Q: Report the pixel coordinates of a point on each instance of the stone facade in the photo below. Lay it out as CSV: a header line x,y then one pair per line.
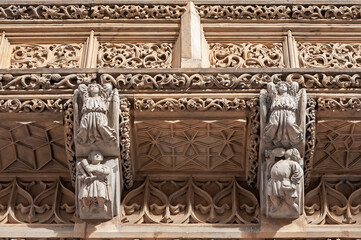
x,y
199,120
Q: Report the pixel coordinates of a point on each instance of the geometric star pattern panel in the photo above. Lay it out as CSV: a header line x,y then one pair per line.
x,y
32,146
338,146
191,145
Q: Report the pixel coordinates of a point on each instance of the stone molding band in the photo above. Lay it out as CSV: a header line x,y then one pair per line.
x,y
160,11
168,80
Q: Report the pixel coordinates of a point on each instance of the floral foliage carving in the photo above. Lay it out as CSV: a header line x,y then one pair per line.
x,y
339,104
310,139
44,81
321,80
91,12
246,55
190,81
46,56
326,12
334,201
244,11
190,201
175,81
138,55
299,12
36,201
253,141
34,105
124,133
330,55
190,104
69,138
274,12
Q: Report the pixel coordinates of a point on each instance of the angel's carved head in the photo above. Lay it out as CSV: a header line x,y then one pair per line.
x,y
93,89
95,157
282,87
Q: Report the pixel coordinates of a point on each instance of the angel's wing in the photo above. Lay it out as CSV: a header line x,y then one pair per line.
x,y
293,89
77,107
113,110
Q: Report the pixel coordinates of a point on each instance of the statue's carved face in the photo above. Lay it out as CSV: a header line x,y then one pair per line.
x,y
282,88
93,89
96,157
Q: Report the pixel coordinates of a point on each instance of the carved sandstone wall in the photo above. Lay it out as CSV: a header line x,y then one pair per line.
x,y
189,77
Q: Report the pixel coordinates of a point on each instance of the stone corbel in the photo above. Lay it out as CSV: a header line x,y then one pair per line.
x,y
282,149
96,139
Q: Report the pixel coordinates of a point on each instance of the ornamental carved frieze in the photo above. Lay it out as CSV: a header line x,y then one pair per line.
x,y
190,104
44,81
274,12
190,200
137,55
91,12
246,55
342,104
176,81
41,201
329,55
16,105
46,56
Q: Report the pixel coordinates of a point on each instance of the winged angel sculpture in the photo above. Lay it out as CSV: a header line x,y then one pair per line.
x,y
282,112
96,107
283,127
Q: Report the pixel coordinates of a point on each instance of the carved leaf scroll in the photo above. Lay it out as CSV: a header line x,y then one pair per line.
x,y
46,56
125,142
91,12
44,81
339,104
139,55
334,201
190,81
190,201
330,55
310,139
246,55
35,105
36,201
190,104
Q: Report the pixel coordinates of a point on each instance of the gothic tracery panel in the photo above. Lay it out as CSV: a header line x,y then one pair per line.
x,y
335,200
329,55
338,144
190,201
246,55
32,146
46,56
191,145
49,201
137,55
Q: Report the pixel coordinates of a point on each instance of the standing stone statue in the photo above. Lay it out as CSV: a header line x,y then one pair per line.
x,y
283,186
282,129
94,125
96,131
97,182
282,145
